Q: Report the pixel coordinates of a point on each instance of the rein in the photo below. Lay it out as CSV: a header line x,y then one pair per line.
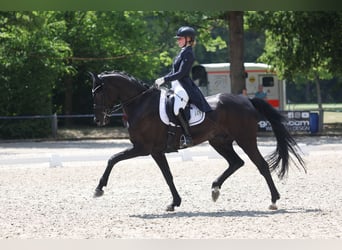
x,y
134,97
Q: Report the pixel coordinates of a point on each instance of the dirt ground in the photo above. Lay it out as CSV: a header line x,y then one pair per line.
x,y
46,192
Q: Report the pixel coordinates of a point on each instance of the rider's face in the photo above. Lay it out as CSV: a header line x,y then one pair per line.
x,y
181,41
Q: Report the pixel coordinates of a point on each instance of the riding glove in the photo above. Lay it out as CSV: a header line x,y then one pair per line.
x,y
159,81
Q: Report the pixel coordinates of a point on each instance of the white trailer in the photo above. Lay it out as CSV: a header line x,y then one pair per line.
x,y
214,78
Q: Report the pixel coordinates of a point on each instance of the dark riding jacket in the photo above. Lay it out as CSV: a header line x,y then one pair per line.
x,y
181,68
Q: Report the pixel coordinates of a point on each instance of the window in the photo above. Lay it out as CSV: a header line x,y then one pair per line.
x,y
268,81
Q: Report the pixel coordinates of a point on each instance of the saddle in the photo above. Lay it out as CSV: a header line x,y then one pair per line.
x,y
192,113
169,102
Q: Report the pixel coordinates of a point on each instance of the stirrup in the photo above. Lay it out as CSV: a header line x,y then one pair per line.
x,y
185,141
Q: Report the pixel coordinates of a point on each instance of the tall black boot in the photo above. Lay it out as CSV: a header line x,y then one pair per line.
x,y
186,139
170,144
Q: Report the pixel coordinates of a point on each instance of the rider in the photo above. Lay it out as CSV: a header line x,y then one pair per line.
x,y
181,83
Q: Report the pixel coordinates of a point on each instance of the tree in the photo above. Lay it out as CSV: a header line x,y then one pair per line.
x,y
236,35
303,43
29,53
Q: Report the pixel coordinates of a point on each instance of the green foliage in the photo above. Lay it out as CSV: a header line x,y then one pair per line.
x,y
29,52
301,43
23,129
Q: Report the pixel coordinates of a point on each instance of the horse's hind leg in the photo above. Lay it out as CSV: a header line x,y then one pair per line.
x,y
164,167
251,149
225,149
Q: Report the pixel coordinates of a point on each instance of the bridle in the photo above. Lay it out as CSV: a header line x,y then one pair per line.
x,y
103,106
110,111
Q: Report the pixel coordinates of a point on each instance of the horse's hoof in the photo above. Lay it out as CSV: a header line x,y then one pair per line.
x,y
273,206
98,193
215,193
170,208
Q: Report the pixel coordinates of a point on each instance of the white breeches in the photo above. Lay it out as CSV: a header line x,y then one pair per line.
x,y
181,97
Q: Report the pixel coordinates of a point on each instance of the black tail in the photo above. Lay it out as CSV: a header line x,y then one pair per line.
x,y
285,142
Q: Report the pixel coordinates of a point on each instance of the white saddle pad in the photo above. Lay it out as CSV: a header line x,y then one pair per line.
x,y
196,115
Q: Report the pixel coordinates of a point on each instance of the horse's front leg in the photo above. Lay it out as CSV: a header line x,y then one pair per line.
x,y
124,155
164,167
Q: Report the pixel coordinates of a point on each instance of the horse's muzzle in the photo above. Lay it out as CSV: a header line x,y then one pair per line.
x,y
102,123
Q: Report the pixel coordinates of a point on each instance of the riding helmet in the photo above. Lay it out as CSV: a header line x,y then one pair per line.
x,y
186,31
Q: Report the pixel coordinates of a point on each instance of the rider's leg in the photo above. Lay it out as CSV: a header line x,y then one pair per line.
x,y
186,139
181,100
181,97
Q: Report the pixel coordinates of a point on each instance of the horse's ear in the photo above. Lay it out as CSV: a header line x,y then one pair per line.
x,y
94,77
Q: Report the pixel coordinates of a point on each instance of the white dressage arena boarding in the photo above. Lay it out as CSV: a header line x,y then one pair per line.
x,y
59,153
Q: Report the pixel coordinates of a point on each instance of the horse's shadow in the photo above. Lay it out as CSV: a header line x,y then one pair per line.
x,y
232,213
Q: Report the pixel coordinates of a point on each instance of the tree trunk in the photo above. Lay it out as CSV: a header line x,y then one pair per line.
x,y
236,46
319,102
68,99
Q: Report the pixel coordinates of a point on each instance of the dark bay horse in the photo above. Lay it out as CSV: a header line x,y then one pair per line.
x,y
234,118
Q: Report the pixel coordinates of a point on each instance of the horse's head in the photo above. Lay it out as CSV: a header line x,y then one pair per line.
x,y
101,110
110,88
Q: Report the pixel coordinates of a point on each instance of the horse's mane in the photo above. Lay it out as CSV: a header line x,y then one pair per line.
x,y
127,76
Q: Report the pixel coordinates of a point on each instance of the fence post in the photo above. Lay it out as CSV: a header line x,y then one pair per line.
x,y
54,125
